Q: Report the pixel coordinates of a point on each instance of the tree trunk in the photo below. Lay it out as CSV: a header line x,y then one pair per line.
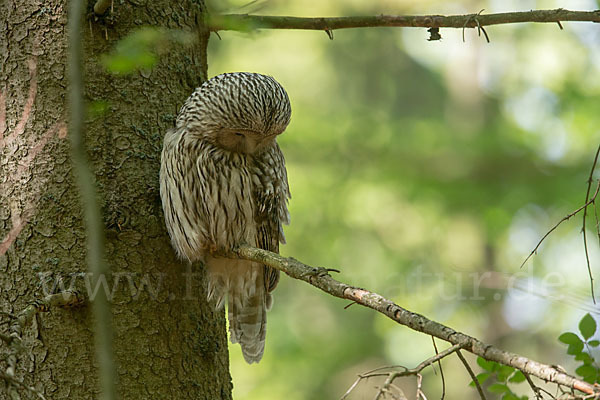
x,y
168,342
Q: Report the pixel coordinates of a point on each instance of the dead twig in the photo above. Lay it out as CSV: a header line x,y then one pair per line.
x,y
472,374
566,218
441,370
393,375
583,230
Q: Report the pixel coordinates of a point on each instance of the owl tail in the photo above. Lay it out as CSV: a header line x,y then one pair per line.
x,y
248,322
243,282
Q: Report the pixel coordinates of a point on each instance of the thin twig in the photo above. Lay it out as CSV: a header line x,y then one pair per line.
x,y
567,217
534,387
91,210
245,22
393,375
597,222
585,245
472,374
321,280
441,370
416,370
420,394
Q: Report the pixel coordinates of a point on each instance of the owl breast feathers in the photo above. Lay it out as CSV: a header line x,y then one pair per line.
x,y
223,183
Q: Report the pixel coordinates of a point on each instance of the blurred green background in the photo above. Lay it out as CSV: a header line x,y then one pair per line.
x,y
425,171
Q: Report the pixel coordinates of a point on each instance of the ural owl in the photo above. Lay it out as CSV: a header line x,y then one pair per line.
x,y
223,183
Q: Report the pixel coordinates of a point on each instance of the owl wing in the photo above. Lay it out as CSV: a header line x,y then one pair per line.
x,y
271,195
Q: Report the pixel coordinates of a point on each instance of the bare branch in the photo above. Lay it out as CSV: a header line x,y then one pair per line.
x,y
441,370
240,22
584,207
472,374
588,202
320,278
565,218
537,390
393,375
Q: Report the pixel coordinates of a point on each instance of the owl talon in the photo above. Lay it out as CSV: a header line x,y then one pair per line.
x,y
320,272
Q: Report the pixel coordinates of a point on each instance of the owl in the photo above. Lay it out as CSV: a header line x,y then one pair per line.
x,y
223,183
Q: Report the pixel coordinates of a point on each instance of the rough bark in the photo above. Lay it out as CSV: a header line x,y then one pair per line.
x,y
169,343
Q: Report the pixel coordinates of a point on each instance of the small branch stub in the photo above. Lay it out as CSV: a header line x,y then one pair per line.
x,y
101,6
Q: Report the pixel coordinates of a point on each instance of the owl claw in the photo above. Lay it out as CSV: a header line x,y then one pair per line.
x,y
320,272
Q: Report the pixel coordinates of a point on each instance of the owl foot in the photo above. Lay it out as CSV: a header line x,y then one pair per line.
x,y
320,272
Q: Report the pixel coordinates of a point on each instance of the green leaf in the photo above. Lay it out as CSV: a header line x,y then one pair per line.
x,y
486,365
587,326
482,377
594,343
517,377
575,348
585,357
97,108
499,388
510,396
504,372
586,371
569,338
141,49
590,379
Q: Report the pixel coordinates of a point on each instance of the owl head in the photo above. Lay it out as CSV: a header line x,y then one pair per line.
x,y
241,112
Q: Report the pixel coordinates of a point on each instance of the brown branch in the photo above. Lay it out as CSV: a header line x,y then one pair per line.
x,y
441,370
472,375
536,389
565,218
588,202
393,375
319,278
415,371
241,22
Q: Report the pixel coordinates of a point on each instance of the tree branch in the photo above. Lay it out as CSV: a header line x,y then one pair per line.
x,y
320,278
393,375
566,218
472,375
245,22
587,202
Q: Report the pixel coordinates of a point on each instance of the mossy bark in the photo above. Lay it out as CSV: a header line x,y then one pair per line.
x,y
168,342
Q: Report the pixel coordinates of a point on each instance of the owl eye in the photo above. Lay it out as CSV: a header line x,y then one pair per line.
x,y
239,134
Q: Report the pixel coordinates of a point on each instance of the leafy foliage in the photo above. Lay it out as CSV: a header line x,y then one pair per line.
x,y
142,48
503,375
581,348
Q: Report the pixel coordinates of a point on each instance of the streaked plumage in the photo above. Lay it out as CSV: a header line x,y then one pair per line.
x,y
223,183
